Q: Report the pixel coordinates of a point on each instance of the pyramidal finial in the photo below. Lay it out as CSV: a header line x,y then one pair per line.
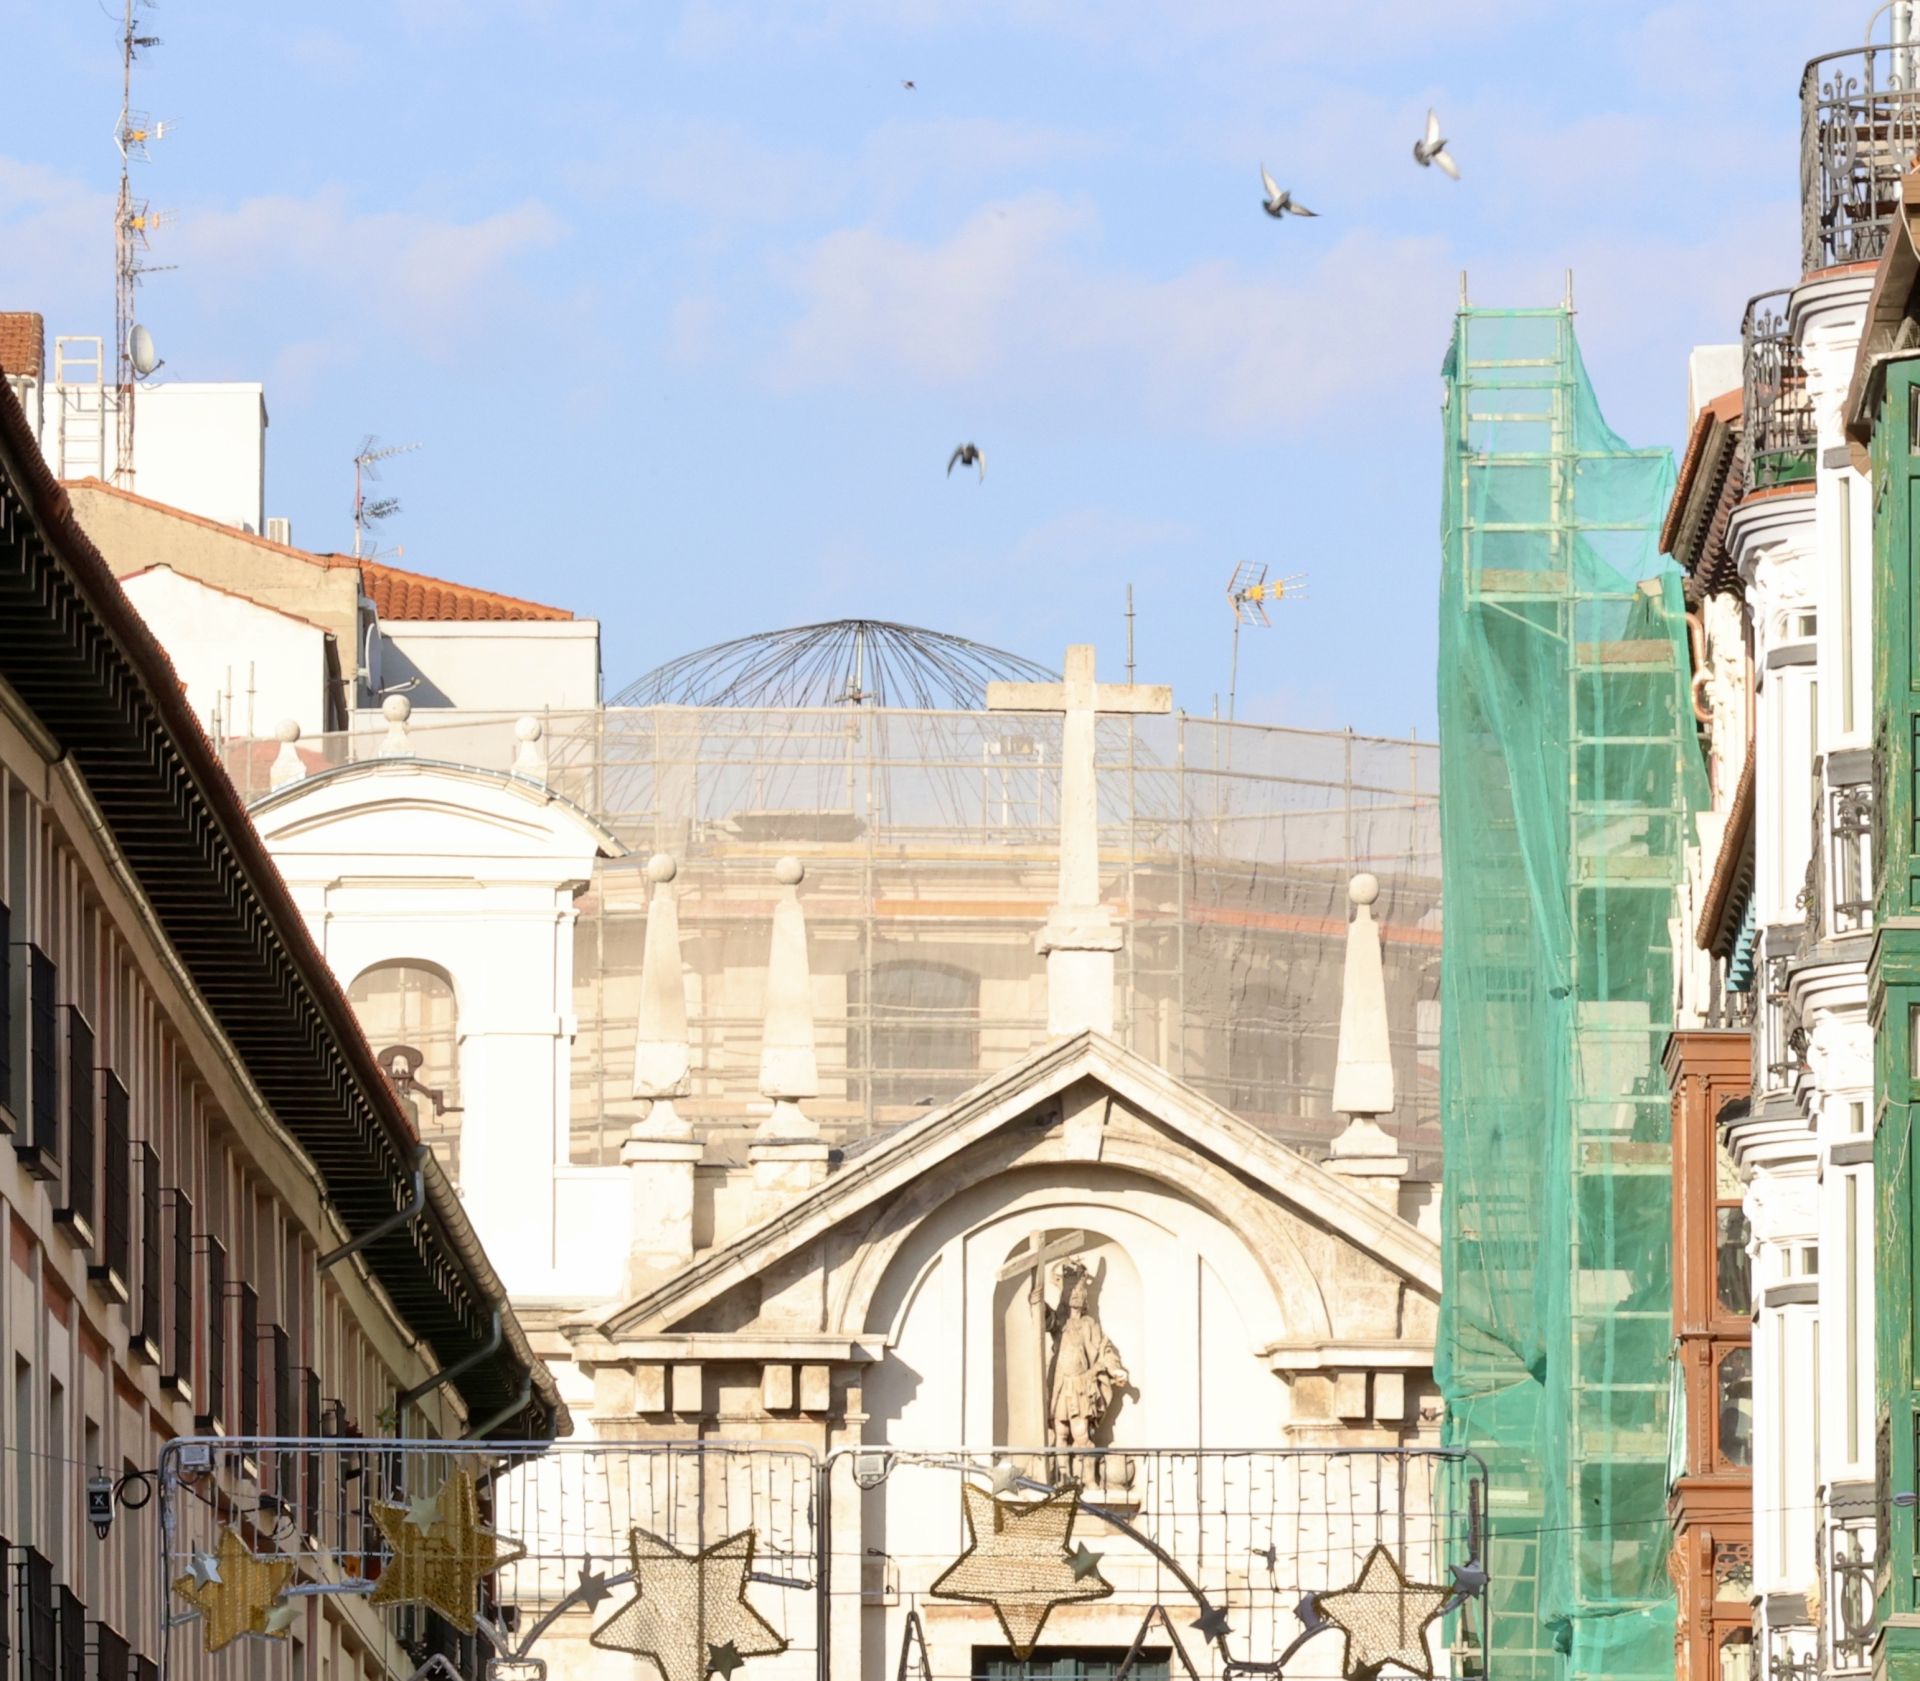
x,y
662,1063
789,1069
1363,1069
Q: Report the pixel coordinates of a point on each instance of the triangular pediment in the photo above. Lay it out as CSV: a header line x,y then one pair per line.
x,y
1055,1105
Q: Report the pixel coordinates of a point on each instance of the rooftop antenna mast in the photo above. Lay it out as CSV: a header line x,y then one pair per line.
x,y
133,221
1248,592
366,469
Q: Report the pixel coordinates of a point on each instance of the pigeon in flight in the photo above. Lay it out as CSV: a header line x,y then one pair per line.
x,y
1281,203
908,86
968,455
1432,149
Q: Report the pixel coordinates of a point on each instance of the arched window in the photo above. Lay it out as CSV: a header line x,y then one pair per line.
x,y
411,1018
923,1022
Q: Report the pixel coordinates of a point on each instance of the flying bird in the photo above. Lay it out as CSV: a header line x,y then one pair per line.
x,y
1432,149
1281,203
908,86
968,455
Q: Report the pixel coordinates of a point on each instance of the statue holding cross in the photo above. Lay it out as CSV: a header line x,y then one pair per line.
x,y
1079,940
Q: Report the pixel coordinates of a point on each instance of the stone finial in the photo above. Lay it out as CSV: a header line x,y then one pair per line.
x,y
1363,1068
789,1069
396,709
662,1059
530,757
288,766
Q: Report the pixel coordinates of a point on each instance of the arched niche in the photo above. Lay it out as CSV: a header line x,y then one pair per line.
x,y
409,1010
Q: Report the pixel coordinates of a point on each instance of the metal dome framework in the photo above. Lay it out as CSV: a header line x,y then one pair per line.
x,y
844,662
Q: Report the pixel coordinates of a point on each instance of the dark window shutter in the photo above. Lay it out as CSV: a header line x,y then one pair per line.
x,y
112,1656
146,1669
212,1299
179,1373
38,1630
310,1469
72,1617
249,1335
280,1392
148,1332
82,1113
6,1609
113,1265
39,1147
6,1067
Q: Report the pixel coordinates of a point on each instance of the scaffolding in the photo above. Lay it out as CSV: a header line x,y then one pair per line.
x,y
930,839
1568,775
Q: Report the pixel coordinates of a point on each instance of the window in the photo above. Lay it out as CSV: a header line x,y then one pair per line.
x,y
76,1210
1092,1663
178,1375
113,1265
412,1019
1733,1425
1733,1286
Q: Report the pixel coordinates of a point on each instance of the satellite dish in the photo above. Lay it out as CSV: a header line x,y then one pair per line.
x,y
140,351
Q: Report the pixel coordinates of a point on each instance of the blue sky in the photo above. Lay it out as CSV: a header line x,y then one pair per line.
x,y
688,303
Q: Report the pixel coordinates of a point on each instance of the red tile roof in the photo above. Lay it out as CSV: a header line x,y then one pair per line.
x,y
395,594
412,595
23,343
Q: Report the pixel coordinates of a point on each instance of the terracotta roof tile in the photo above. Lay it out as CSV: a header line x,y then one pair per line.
x,y
23,343
395,594
411,595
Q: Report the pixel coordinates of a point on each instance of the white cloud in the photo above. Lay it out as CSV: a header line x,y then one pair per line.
x,y
421,276
56,244
1018,300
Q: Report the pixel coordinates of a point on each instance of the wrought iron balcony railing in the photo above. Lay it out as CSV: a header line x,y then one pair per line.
x,y
1859,131
1777,413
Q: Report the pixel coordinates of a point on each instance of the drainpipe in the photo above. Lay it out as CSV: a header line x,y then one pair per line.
x,y
447,1374
517,1405
406,1216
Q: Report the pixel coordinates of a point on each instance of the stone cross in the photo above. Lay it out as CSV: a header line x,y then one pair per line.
x,y
1079,940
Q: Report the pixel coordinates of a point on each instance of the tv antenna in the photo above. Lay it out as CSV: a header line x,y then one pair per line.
x,y
1248,592
133,220
366,470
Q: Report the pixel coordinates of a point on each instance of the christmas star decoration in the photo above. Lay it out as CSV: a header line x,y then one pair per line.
x,y
1468,1579
1212,1622
280,1617
1017,1562
593,1588
424,1512
238,1598
203,1567
442,1566
689,1614
1385,1618
1005,1477
1085,1562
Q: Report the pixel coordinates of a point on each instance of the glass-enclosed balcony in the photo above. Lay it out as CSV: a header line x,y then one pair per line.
x,y
1859,132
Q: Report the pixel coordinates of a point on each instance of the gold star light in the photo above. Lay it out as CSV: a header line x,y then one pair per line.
x,y
441,1565
689,1615
1017,1560
1385,1618
236,1597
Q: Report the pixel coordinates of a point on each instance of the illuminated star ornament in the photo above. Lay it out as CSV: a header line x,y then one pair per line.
x,y
1018,1561
442,1565
689,1615
1385,1618
234,1592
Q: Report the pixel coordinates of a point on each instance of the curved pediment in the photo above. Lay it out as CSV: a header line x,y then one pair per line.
x,y
408,817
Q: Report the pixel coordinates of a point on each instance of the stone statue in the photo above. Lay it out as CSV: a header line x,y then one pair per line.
x,y
1083,1370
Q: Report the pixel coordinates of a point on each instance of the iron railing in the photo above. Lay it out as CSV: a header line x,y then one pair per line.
x,y
1777,413
1859,131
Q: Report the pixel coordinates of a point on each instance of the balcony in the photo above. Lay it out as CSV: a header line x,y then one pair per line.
x,y
1777,412
1859,131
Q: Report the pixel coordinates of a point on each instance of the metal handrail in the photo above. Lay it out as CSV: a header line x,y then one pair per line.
x,y
1859,133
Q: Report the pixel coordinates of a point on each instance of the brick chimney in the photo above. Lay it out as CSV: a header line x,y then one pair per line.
x,y
23,344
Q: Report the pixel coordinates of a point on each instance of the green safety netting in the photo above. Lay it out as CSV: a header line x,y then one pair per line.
x,y
1569,773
